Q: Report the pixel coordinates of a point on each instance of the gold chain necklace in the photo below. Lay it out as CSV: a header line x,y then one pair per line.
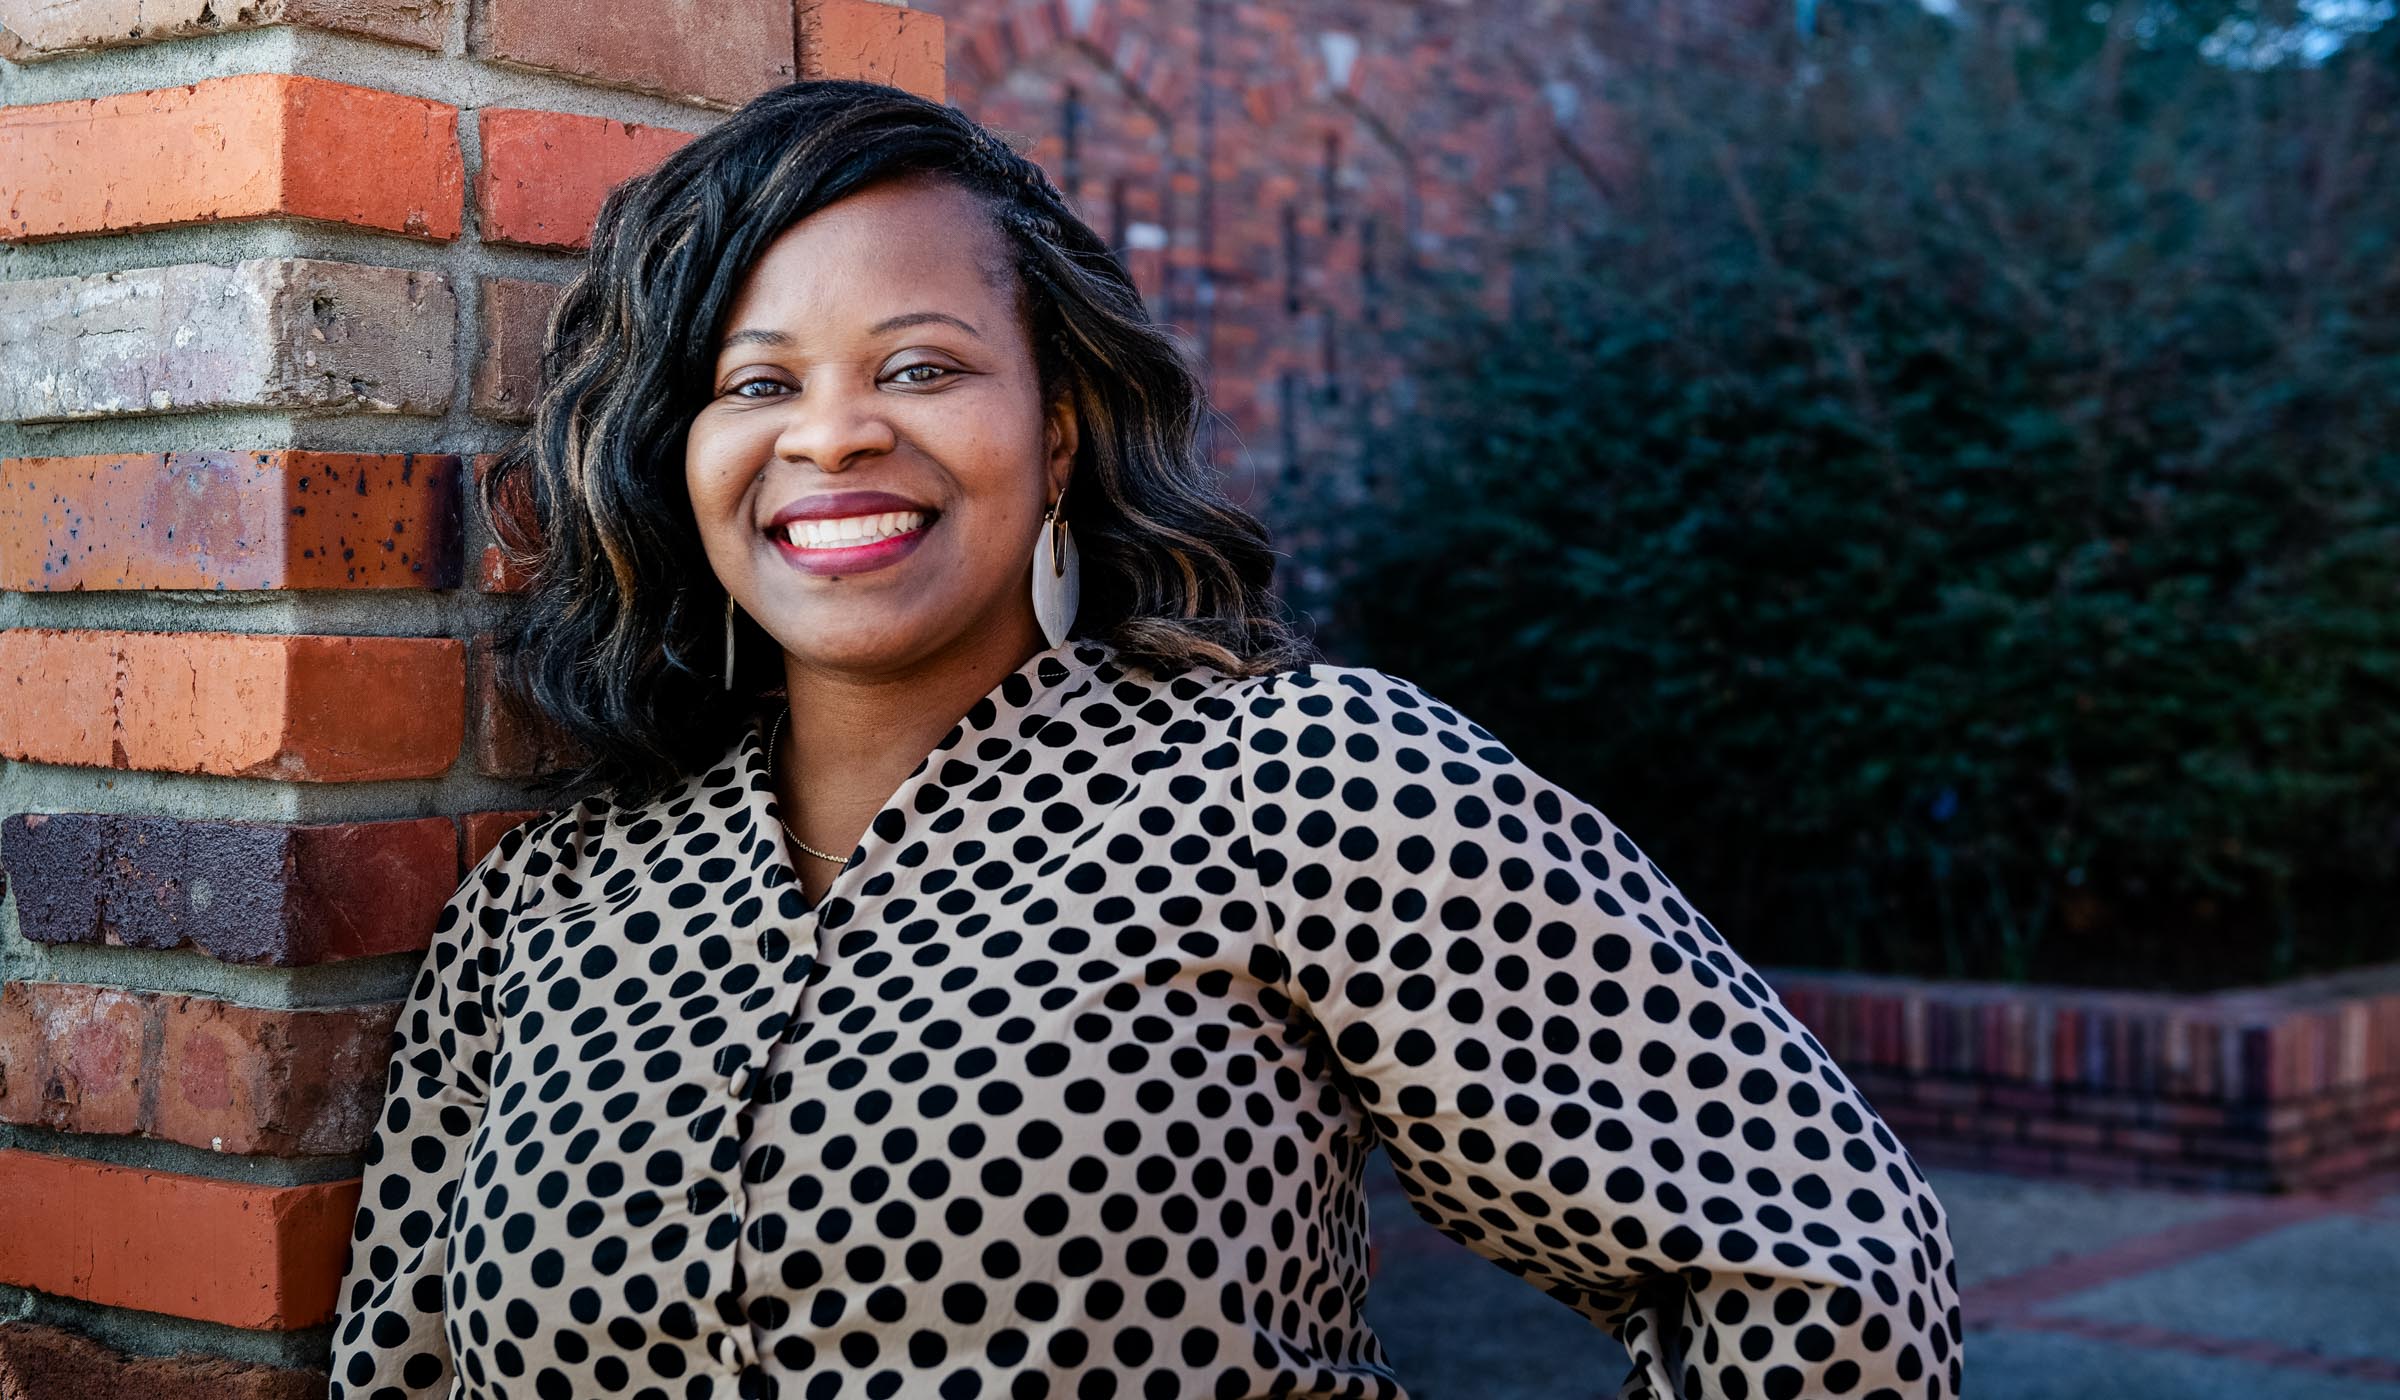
x,y
772,736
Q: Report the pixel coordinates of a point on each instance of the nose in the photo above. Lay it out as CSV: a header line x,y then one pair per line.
x,y
832,425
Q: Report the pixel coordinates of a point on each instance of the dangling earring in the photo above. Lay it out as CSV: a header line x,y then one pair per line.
x,y
729,641
1057,577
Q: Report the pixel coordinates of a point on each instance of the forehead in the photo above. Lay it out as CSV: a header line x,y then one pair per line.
x,y
916,240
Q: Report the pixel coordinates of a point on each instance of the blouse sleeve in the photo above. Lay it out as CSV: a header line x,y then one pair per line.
x,y
389,1342
1571,1072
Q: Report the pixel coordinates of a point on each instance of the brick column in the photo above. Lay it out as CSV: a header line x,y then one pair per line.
x,y
273,282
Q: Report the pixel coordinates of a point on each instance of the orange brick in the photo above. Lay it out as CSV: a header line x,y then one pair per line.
x,y
873,41
234,520
252,146
266,1257
545,173
483,830
304,709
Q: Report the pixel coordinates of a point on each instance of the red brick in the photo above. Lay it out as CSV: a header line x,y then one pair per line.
x,y
876,42
244,892
511,740
89,1059
306,708
37,32
275,519
508,368
717,55
483,830
266,1257
47,1363
251,146
75,1057
545,174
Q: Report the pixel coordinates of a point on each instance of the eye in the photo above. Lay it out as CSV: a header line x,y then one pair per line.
x,y
737,390
943,370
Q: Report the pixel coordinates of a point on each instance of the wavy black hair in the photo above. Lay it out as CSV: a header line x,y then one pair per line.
x,y
620,641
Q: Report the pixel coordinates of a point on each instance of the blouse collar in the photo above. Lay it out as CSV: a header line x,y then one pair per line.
x,y
741,785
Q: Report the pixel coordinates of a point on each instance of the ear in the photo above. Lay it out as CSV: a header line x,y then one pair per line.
x,y
1064,435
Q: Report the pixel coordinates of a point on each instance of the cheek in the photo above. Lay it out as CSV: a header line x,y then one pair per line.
x,y
717,467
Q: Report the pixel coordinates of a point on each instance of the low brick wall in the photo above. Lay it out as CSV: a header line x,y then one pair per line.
x,y
2268,1088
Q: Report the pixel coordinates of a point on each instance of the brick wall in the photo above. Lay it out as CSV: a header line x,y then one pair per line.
x,y
273,287
1276,174
2266,1089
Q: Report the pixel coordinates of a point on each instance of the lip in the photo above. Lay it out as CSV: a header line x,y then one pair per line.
x,y
849,559
834,504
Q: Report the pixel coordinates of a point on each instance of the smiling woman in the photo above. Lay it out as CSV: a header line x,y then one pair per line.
x,y
1012,1009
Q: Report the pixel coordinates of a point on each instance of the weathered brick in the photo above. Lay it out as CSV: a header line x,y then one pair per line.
x,y
305,708
267,1257
275,333
33,30
243,892
483,830
188,1069
508,369
272,519
870,40
545,174
77,1056
251,146
47,1363
511,740
717,55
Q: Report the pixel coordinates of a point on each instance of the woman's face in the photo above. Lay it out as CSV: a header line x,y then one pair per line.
x,y
874,380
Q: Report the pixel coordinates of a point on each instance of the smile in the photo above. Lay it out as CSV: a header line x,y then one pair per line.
x,y
851,544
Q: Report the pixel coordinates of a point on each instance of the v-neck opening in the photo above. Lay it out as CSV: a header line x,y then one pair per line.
x,y
1041,675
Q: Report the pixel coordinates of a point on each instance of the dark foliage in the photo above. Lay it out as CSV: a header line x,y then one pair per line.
x,y
1948,505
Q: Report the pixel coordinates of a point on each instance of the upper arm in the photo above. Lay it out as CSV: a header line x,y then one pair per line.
x,y
1571,1070
389,1340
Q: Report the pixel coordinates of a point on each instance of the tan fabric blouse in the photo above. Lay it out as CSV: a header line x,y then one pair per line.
x,y
1067,1085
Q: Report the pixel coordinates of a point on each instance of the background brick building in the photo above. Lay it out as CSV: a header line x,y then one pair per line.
x,y
272,284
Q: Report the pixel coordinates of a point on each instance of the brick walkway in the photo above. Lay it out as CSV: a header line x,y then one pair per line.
x,y
2073,1292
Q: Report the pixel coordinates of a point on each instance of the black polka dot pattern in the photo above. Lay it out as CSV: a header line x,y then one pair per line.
x,y
1066,1087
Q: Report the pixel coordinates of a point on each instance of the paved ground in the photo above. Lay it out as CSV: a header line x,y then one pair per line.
x,y
2072,1293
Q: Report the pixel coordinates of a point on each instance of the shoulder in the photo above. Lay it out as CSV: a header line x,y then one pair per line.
x,y
534,858
1355,706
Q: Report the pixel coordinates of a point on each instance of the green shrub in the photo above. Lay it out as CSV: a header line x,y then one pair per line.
x,y
1947,506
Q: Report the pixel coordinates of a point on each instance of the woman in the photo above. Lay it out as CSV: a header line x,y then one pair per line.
x,y
1011,1011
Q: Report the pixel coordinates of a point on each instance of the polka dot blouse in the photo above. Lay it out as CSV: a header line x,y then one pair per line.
x,y
1067,1085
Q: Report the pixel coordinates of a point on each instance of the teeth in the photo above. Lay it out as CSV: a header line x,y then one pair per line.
x,y
851,530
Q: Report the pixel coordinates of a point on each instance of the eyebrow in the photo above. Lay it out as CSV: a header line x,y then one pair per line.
x,y
760,335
